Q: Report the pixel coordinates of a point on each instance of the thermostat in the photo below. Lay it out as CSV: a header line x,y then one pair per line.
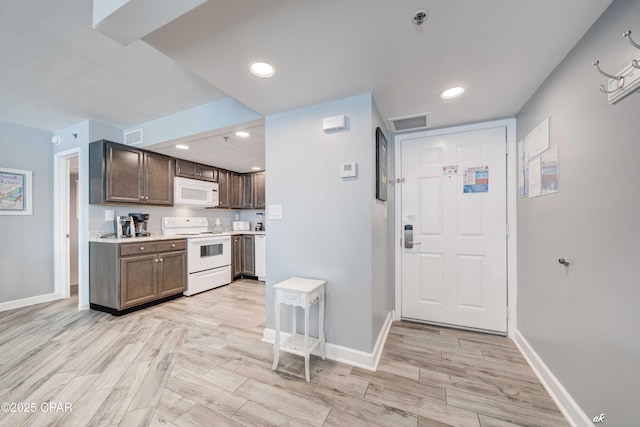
x,y
348,170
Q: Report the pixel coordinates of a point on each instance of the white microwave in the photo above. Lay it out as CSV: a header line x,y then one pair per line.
x,y
191,192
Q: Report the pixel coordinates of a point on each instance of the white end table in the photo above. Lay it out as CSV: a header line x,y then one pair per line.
x,y
299,292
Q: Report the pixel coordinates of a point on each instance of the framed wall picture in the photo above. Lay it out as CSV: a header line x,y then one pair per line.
x,y
381,165
16,192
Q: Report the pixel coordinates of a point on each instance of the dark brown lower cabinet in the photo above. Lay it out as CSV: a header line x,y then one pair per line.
x,y
236,257
243,256
248,256
123,276
138,282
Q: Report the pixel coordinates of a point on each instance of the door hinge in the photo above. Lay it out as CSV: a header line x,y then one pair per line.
x,y
507,312
507,230
401,242
399,180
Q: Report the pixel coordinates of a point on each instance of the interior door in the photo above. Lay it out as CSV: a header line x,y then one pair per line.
x,y
454,256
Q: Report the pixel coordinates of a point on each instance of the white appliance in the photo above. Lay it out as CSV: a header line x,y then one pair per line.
x,y
191,192
240,226
260,251
208,253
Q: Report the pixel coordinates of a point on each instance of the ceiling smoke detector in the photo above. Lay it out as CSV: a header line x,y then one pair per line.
x,y
420,16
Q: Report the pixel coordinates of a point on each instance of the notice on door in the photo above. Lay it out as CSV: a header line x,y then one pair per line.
x,y
450,171
476,180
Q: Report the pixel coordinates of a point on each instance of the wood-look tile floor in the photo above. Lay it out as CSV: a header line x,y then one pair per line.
x,y
200,361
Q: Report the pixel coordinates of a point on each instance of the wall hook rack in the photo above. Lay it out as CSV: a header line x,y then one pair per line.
x,y
627,35
620,79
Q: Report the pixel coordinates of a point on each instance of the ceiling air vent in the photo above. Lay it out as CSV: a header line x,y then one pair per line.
x,y
133,137
406,123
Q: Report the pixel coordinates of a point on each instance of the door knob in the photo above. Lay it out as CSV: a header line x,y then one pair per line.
x,y
565,261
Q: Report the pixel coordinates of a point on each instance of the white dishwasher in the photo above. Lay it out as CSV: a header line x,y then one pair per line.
x,y
261,256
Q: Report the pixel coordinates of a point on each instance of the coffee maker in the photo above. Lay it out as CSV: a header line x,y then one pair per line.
x,y
140,223
259,226
124,226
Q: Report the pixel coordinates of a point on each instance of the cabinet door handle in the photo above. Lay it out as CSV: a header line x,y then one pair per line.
x,y
142,248
173,245
155,260
160,259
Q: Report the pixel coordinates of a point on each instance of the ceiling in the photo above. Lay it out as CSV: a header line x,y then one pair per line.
x,y
221,148
56,70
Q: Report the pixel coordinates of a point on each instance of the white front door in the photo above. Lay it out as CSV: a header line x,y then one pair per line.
x,y
454,213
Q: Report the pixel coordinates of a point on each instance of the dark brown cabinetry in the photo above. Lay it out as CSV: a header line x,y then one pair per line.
x,y
241,191
258,182
194,170
248,256
224,193
125,275
122,174
247,191
253,190
243,256
236,198
236,257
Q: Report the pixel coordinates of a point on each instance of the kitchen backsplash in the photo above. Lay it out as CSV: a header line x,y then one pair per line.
x,y
97,224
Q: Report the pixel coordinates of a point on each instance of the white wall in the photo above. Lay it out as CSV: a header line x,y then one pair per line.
x,y
327,230
583,320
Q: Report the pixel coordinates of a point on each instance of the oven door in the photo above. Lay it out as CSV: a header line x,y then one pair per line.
x,y
205,253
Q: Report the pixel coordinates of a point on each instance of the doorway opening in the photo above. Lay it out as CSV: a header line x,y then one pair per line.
x,y
66,223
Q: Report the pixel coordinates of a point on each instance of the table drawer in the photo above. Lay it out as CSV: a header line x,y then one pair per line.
x,y
288,297
127,249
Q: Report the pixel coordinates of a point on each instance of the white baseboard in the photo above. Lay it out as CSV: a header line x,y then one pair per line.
x,y
341,354
24,302
382,338
567,405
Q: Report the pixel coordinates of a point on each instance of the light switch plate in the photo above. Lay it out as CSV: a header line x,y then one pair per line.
x,y
275,211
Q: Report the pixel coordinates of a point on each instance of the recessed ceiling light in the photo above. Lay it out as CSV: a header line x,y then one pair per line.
x,y
451,93
256,168
262,69
182,147
242,134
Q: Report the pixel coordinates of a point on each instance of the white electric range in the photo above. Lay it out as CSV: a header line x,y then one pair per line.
x,y
208,253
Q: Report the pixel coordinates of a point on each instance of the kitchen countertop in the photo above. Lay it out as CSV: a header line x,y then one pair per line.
x,y
95,237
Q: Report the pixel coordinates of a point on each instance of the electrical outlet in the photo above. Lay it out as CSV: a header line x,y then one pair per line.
x,y
109,215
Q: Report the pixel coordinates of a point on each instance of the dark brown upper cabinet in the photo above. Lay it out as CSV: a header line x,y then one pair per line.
x,y
247,191
224,189
122,174
241,191
236,187
194,170
259,190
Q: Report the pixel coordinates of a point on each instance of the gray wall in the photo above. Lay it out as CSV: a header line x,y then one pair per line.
x,y
326,230
26,249
583,320
382,280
